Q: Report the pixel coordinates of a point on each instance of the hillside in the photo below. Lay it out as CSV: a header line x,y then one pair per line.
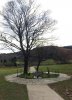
x,y
52,52
68,47
62,54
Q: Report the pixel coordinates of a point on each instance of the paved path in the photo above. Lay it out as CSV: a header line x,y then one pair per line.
x,y
14,78
42,92
38,89
32,69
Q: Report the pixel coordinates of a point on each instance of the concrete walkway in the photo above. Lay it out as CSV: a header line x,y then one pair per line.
x,y
14,78
32,69
42,92
38,89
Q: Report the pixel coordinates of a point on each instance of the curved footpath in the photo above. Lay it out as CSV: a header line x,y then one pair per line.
x,y
14,78
38,89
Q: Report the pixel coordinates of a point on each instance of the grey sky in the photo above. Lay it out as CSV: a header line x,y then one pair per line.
x,y
61,10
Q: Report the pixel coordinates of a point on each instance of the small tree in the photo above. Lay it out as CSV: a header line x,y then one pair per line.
x,y
39,52
25,27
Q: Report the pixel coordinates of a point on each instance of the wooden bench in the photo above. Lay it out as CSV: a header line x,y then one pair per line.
x,y
38,74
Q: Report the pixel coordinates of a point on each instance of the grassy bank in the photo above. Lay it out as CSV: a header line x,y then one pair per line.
x,y
11,91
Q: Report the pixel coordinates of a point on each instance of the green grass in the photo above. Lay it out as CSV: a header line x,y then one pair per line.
x,y
64,88
11,91
48,62
61,68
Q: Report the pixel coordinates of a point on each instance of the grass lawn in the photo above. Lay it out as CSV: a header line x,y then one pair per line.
x,y
61,68
64,88
11,91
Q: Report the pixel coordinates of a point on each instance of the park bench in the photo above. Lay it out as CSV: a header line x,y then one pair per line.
x,y
38,74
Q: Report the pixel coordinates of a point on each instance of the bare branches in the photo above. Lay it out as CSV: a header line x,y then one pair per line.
x,y
27,25
8,42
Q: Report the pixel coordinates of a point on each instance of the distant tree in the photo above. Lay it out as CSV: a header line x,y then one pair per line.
x,y
25,27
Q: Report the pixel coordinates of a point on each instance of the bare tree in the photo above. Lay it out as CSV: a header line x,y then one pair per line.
x,y
40,56
25,27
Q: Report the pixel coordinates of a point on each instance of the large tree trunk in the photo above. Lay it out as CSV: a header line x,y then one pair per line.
x,y
25,66
26,61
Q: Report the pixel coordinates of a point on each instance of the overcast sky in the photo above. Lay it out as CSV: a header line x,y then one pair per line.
x,y
61,10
